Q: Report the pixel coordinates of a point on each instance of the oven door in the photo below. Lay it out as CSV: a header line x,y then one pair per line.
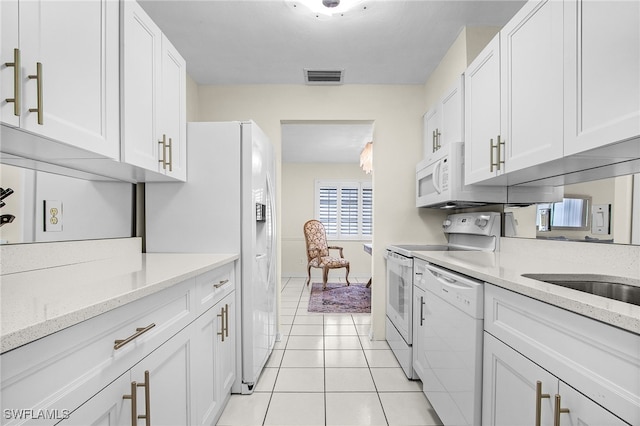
x,y
400,293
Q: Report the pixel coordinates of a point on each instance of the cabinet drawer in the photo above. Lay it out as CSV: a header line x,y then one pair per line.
x,y
599,360
62,370
212,286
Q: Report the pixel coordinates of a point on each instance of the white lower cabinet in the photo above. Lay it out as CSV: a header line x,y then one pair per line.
x,y
214,354
543,365
161,360
514,387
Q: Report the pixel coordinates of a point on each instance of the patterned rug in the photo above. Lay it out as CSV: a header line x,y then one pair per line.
x,y
340,298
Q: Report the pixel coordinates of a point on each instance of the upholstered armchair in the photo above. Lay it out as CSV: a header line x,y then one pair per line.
x,y
318,255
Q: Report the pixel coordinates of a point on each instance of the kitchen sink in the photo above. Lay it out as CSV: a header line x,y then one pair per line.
x,y
617,288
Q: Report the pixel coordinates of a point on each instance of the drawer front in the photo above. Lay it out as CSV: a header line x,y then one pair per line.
x,y
599,360
212,286
63,370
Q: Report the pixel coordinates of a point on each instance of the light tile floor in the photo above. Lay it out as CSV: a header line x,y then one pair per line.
x,y
326,371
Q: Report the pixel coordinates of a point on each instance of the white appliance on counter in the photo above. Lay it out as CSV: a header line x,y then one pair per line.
x,y
465,231
227,205
440,183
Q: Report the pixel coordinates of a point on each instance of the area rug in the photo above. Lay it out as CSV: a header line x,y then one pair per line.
x,y
340,298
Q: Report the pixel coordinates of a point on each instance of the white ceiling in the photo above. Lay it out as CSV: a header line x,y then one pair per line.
x,y
272,41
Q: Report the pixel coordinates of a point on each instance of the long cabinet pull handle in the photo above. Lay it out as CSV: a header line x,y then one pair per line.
x,y
134,403
163,142
16,81
226,320
557,410
438,134
147,401
220,283
170,155
221,316
139,331
539,397
433,141
38,78
421,310
499,146
491,148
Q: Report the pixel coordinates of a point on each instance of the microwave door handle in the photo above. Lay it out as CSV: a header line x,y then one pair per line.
x,y
436,177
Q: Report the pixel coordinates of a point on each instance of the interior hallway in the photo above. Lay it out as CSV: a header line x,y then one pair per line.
x,y
326,371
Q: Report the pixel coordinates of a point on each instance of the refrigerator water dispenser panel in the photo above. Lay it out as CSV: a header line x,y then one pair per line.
x,y
261,215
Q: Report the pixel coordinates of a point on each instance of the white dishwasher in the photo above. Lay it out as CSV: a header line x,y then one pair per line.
x,y
449,342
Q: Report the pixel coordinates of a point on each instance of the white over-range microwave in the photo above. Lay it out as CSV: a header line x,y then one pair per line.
x,y
440,183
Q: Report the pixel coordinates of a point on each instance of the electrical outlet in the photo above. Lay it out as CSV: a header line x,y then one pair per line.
x,y
52,216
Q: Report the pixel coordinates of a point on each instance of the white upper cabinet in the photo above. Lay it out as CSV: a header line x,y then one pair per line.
x,y
67,82
153,96
513,96
482,113
531,86
602,73
443,124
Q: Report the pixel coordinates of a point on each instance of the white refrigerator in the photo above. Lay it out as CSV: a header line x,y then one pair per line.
x,y
227,205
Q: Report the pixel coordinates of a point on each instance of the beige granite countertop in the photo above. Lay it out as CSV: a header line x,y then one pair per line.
x,y
505,269
36,303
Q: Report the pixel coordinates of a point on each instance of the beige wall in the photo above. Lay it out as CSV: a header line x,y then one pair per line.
x,y
298,206
396,111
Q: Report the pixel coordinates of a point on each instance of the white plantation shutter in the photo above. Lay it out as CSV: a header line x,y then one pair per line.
x,y
345,209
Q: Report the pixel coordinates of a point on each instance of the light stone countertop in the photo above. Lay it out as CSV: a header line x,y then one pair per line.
x,y
40,302
504,269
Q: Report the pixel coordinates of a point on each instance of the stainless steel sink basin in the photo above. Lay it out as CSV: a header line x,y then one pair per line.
x,y
616,288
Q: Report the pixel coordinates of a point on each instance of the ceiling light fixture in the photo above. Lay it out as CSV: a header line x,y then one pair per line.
x,y
366,158
329,7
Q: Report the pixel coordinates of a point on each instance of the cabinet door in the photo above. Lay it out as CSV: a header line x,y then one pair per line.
x,y
166,395
509,387
602,87
78,99
451,116
106,408
9,75
173,111
482,113
226,349
531,47
419,334
583,411
213,359
141,69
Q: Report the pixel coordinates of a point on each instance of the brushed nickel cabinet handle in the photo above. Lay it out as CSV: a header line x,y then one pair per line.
x,y
500,145
438,134
139,331
221,315
16,81
433,141
491,147
163,142
134,403
539,397
220,283
170,155
558,410
421,310
226,320
38,78
147,402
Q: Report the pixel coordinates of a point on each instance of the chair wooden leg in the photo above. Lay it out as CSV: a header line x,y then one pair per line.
x,y
347,276
308,275
325,277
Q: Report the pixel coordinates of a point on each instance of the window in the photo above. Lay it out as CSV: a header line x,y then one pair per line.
x,y
572,213
345,209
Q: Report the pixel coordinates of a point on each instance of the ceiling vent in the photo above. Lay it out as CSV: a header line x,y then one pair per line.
x,y
323,76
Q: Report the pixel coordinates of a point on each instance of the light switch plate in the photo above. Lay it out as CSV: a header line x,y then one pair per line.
x,y
52,216
600,223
